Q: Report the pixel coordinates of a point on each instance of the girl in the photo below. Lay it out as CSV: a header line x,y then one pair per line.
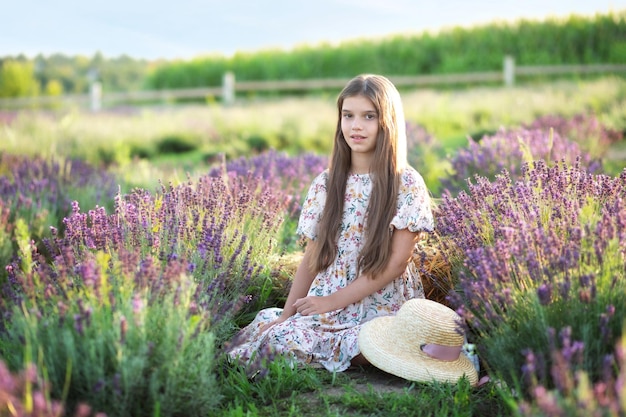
x,y
361,219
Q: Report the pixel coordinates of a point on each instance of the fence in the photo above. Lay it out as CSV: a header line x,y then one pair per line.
x,y
230,87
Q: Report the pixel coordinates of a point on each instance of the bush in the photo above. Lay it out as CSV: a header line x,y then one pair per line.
x,y
118,333
17,79
575,394
539,253
508,150
176,144
27,394
134,306
39,192
586,130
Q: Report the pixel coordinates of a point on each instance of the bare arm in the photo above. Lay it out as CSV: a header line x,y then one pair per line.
x,y
402,244
300,285
299,288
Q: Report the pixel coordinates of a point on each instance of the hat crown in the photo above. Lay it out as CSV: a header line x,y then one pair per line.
x,y
425,321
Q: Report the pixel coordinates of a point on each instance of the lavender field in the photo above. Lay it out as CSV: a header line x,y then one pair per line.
x,y
127,269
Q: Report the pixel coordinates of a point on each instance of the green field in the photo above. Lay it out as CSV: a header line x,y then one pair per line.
x,y
137,241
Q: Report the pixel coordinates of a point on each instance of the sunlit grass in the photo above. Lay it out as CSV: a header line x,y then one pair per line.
x,y
451,115
311,392
298,124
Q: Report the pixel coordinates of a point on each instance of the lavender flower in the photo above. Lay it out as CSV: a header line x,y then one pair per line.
x,y
27,394
584,129
544,293
278,172
539,237
507,150
573,393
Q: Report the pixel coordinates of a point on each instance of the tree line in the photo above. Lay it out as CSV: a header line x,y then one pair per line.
x,y
62,74
575,39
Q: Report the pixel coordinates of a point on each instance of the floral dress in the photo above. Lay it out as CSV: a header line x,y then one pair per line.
x,y
330,339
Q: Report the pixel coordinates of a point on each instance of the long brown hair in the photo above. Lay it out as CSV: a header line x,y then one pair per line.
x,y
385,170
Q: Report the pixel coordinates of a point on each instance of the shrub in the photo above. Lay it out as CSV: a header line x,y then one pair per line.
x,y
509,150
545,251
288,175
27,394
176,143
17,79
208,224
40,191
116,331
574,394
425,154
134,306
49,185
586,130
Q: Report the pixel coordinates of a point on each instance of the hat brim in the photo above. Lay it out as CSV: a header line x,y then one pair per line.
x,y
394,356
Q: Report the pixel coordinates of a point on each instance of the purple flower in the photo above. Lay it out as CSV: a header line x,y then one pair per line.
x,y
507,150
544,293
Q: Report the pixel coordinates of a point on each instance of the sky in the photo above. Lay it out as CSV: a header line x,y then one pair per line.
x,y
184,29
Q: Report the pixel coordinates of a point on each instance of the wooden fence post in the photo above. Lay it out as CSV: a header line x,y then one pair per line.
x,y
95,95
228,88
509,71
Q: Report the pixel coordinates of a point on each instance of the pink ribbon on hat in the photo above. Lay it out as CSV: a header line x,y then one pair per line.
x,y
441,352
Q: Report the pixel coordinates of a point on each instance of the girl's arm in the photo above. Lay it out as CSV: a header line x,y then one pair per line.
x,y
299,288
300,285
402,244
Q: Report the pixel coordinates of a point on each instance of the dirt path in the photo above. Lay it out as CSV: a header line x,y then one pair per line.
x,y
364,380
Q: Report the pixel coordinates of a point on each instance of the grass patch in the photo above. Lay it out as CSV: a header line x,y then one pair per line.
x,y
366,391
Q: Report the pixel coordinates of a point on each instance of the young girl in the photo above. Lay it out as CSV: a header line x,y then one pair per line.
x,y
361,219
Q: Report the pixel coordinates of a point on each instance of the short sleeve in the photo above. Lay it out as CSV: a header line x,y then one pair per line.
x,y
313,207
414,210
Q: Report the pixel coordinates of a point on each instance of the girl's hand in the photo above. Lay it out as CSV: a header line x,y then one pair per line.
x,y
311,305
266,326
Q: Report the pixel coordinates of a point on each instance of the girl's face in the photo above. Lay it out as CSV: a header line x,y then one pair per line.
x,y
359,124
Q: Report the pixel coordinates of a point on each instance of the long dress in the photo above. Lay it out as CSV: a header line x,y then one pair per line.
x,y
330,339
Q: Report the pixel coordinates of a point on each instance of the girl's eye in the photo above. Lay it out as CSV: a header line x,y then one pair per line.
x,y
347,115
370,117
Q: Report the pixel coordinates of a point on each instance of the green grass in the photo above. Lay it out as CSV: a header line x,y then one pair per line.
x,y
310,392
616,158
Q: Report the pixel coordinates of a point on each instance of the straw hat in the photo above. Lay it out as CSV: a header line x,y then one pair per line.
x,y
422,342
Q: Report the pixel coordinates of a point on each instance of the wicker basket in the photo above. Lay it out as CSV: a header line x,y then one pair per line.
x,y
435,272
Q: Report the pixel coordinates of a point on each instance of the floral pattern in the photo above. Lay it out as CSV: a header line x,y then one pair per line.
x,y
330,339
